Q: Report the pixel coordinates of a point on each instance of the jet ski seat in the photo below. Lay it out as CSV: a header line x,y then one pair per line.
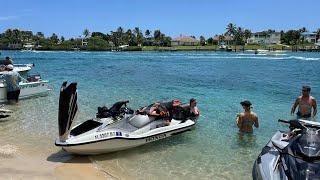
x,y
139,120
278,142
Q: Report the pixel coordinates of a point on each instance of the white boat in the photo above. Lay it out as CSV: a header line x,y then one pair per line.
x,y
21,68
29,89
123,130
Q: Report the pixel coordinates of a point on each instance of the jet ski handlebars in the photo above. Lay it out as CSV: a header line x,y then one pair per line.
x,y
295,123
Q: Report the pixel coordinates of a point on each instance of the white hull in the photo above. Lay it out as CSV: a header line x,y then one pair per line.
x,y
21,68
28,90
97,142
116,129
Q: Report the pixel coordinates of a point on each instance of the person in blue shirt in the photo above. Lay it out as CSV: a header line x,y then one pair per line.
x,y
12,79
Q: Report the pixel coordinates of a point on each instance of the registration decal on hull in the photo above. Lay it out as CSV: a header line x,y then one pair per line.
x,y
108,134
157,137
29,86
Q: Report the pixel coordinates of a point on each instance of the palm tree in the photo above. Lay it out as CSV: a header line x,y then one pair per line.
x,y
238,36
40,35
147,33
136,31
156,35
247,34
303,29
202,41
15,36
129,37
86,33
54,38
231,29
119,35
139,36
318,34
120,30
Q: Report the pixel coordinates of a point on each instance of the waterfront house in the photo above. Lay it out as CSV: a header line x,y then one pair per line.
x,y
223,40
185,41
84,42
265,37
309,37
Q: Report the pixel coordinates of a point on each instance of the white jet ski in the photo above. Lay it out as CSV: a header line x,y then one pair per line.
x,y
293,156
120,129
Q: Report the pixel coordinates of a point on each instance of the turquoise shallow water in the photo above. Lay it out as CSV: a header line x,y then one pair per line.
x,y
218,80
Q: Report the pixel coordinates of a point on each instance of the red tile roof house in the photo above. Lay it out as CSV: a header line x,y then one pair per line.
x,y
185,41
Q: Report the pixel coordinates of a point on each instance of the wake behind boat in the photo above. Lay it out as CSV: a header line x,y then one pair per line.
x,y
120,129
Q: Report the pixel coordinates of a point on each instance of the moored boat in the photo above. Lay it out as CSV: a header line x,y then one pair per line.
x,y
28,89
21,68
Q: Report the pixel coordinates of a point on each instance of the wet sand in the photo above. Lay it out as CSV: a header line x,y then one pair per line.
x,y
18,163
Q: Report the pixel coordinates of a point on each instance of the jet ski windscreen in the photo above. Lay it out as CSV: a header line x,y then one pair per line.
x,y
307,146
67,108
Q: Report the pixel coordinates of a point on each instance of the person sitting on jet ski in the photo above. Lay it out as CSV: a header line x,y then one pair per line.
x,y
156,110
194,111
247,119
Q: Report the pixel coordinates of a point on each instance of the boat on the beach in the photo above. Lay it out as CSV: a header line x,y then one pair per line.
x,y
35,87
123,129
292,155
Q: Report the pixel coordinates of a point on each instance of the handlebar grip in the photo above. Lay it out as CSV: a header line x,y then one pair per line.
x,y
283,121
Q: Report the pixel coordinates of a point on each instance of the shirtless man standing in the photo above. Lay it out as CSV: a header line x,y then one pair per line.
x,y
306,103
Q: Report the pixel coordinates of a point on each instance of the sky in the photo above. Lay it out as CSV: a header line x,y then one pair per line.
x,y
69,18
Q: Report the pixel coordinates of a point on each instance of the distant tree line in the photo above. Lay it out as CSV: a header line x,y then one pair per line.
x,y
15,39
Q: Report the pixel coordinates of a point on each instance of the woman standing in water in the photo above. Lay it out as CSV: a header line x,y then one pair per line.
x,y
247,119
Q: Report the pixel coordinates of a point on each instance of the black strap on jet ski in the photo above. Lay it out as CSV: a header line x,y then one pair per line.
x,y
285,168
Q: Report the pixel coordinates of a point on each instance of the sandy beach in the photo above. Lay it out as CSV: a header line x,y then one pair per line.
x,y
22,163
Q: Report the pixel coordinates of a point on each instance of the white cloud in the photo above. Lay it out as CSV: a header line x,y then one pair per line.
x,y
6,18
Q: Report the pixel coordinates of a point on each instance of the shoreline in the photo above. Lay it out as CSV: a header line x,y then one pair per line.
x,y
19,162
271,48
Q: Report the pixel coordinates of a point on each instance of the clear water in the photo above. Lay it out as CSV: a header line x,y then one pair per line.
x,y
219,81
